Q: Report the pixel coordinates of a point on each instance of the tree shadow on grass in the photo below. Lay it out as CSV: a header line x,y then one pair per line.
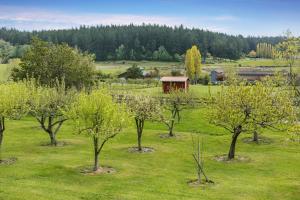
x,y
8,161
59,144
203,183
88,170
237,159
144,150
261,140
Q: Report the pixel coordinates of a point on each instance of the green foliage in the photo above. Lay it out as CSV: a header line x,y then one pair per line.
x,y
14,98
193,63
143,108
121,52
6,50
264,50
134,72
47,62
99,117
241,108
46,105
13,104
173,104
162,54
141,41
289,50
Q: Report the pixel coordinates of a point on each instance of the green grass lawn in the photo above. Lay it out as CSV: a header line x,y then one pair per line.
x,y
53,173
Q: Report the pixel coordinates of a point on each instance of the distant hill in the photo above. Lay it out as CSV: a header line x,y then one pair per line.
x,y
145,42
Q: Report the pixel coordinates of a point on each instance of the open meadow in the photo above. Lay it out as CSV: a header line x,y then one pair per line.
x,y
44,173
118,67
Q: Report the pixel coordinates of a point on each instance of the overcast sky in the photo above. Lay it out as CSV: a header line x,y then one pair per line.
x,y
246,17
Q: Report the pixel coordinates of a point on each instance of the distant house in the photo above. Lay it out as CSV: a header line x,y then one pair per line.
x,y
250,75
174,82
217,76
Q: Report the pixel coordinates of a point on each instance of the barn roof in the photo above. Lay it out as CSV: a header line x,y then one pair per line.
x,y
174,79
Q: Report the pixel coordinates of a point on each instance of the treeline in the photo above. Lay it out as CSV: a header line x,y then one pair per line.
x,y
145,42
8,51
264,50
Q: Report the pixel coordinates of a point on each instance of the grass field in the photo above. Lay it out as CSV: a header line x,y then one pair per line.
x,y
118,67
53,173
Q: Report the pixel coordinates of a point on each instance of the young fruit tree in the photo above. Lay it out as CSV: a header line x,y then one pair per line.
x,y
143,108
199,161
172,105
96,114
46,105
14,97
239,107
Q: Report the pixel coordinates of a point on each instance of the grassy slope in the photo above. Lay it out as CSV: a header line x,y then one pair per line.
x,y
53,173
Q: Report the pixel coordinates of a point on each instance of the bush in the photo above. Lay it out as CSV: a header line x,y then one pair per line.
x,y
134,72
204,79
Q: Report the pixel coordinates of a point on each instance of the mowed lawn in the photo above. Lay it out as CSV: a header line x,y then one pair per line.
x,y
53,173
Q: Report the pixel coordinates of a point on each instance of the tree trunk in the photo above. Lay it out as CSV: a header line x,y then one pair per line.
x,y
255,136
2,128
139,141
96,154
1,138
53,139
199,176
51,127
139,127
236,133
171,134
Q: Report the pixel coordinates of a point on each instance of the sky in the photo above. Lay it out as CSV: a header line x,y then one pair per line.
x,y
245,17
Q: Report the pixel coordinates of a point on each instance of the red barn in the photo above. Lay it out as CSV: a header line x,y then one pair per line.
x,y
174,82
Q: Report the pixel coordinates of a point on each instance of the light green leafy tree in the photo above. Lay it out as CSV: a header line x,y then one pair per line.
x,y
97,115
46,105
172,105
143,108
239,108
14,99
289,50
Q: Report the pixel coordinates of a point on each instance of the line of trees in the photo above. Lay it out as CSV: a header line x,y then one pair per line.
x,y
8,51
264,50
145,42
